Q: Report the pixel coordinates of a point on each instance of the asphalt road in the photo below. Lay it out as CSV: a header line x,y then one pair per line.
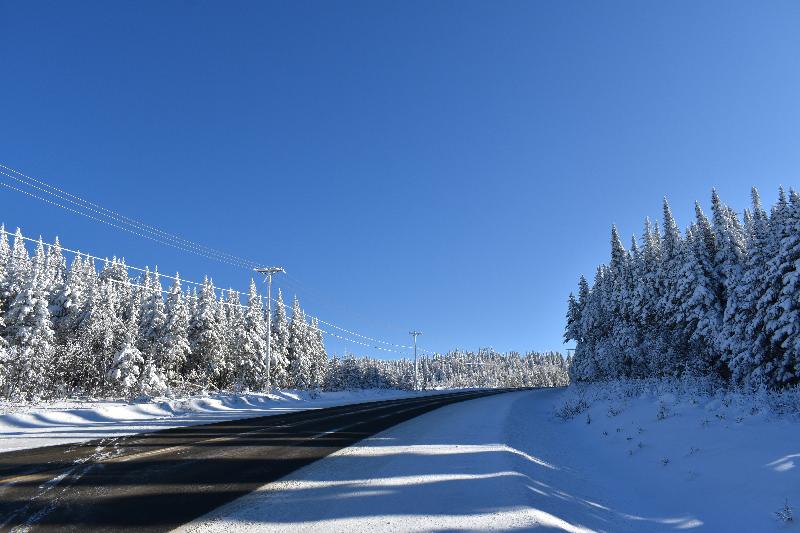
x,y
158,481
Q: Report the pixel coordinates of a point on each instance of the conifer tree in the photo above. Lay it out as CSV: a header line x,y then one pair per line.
x,y
783,319
729,246
55,266
280,343
744,339
102,334
127,364
252,344
152,321
18,268
175,339
227,318
722,301
207,344
31,335
319,358
5,258
299,357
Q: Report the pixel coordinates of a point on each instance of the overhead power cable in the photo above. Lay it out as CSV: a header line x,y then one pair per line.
x,y
112,224
116,220
101,214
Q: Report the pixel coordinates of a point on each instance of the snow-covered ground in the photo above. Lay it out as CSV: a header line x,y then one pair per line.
x,y
63,422
649,459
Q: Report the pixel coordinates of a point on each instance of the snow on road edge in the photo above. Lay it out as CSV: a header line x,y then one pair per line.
x,y
63,422
707,461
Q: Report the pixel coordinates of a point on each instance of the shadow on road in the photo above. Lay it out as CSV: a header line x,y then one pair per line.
x,y
158,481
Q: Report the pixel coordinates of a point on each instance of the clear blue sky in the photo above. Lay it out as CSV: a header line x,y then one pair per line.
x,y
446,166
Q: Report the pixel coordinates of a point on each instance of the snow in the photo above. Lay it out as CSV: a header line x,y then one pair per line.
x,y
63,422
708,462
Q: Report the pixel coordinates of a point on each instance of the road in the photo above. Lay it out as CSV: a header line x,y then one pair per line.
x,y
157,481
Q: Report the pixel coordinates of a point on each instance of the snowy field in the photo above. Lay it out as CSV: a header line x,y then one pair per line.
x,y
624,458
31,426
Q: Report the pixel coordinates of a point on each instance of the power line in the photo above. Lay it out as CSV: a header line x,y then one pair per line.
x,y
298,284
152,233
113,215
123,228
156,239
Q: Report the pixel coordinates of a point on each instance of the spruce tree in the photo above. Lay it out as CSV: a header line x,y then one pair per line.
x,y
745,341
207,363
319,358
18,267
299,357
56,267
102,334
252,346
175,338
152,321
29,332
228,318
730,246
783,320
127,364
279,350
5,257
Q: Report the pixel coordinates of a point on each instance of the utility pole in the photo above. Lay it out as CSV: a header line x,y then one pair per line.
x,y
415,334
268,272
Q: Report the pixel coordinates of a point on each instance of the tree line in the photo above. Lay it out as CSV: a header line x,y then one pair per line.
x,y
456,369
720,299
82,329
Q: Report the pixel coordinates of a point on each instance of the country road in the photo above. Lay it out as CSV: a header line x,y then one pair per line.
x,y
157,481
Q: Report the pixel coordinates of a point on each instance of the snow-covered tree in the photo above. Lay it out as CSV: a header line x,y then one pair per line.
x,y
17,268
783,318
723,300
279,350
318,355
152,321
205,339
5,277
127,364
30,333
300,363
100,338
251,345
175,338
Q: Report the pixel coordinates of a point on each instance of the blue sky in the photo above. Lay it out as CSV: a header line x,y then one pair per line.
x,y
446,166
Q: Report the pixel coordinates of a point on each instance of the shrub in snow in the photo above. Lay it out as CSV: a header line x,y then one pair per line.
x,y
785,514
571,407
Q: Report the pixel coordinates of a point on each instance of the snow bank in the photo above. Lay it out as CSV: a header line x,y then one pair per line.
x,y
644,457
63,422
726,460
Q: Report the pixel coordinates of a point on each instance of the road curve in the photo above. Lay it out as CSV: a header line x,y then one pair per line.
x,y
157,481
